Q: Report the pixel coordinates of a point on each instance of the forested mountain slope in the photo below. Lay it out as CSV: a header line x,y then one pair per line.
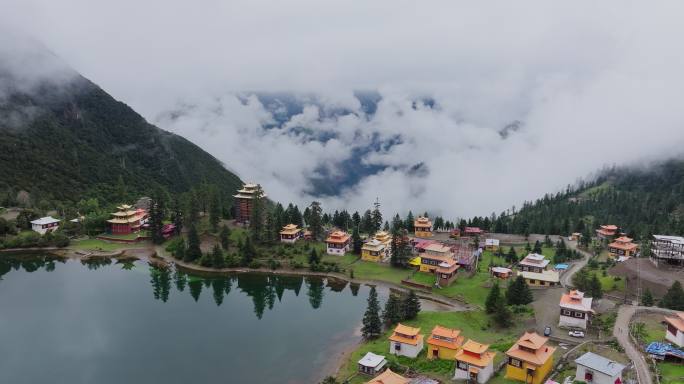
x,y
642,201
68,139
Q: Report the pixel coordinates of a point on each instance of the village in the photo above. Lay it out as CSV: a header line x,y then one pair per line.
x,y
536,309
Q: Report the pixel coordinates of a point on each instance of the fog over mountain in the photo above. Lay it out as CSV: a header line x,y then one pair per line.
x,y
458,108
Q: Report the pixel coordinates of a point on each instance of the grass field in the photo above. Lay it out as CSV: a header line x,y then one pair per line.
x,y
96,245
474,324
671,373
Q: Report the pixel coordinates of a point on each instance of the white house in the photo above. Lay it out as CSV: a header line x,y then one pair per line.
x,y
533,262
406,341
675,329
596,369
474,362
372,364
575,310
45,224
338,243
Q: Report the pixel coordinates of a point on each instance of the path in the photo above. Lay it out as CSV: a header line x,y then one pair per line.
x,y
566,278
621,333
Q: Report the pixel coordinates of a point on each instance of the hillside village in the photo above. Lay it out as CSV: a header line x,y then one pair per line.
x,y
532,309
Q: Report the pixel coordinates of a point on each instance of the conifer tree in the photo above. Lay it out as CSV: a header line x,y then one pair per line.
x,y
314,257
409,222
493,298
179,252
537,247
357,244
674,298
372,326
224,236
519,293
215,211
512,256
315,221
392,313
376,217
595,289
256,221
647,298
410,306
217,259
248,252
502,315
193,252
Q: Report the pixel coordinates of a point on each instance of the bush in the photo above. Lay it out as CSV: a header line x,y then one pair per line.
x,y
255,264
273,264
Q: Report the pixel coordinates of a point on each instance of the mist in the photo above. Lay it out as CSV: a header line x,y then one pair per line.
x,y
481,106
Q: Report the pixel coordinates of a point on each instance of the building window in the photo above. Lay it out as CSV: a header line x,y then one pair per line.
x,y
579,315
462,366
566,312
397,347
514,362
588,376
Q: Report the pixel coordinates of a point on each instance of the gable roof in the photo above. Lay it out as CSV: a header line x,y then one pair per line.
x,y
370,359
600,363
388,377
676,321
531,340
45,220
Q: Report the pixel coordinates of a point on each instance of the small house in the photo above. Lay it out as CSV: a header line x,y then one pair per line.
x,y
501,272
541,279
622,246
473,231
492,245
575,310
338,243
576,236
373,250
406,341
433,255
675,329
443,343
474,362
596,369
45,224
372,364
168,230
290,234
389,377
422,227
530,359
533,262
606,231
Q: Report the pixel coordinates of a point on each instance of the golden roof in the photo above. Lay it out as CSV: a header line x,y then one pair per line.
x,y
388,377
338,237
422,222
531,340
290,229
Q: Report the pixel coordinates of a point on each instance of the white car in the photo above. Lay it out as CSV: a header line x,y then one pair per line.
x,y
576,334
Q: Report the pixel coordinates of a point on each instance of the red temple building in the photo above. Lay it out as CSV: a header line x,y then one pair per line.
x,y
243,202
127,220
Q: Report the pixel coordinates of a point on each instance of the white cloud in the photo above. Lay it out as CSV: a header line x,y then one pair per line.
x,y
592,83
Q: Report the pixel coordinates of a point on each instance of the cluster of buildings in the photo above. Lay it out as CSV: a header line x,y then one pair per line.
x,y
665,249
243,202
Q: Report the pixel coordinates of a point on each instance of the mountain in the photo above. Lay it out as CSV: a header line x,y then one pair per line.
x,y
63,138
640,200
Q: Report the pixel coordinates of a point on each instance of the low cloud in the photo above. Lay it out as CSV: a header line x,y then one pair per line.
x,y
579,86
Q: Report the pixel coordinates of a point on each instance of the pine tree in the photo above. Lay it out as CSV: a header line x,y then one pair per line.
x,y
372,326
519,293
376,217
647,298
512,256
315,220
392,313
595,289
493,298
314,257
177,217
410,306
674,298
215,211
367,222
537,247
193,252
224,236
248,252
357,244
502,315
217,259
409,222
256,221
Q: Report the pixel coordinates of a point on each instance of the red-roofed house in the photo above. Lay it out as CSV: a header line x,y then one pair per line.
x,y
623,246
606,231
675,329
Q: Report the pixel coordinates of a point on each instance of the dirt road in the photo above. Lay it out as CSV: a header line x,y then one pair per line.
x,y
566,278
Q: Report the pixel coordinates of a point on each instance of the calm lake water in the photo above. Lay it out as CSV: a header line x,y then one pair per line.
x,y
68,322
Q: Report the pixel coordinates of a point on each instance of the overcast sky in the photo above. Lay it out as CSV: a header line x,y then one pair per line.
x,y
592,83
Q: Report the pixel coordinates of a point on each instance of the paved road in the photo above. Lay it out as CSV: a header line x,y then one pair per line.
x,y
621,333
566,278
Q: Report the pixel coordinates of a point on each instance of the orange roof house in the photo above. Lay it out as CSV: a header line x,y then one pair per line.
x,y
406,341
474,362
623,246
338,243
530,360
675,329
389,377
423,227
606,231
443,343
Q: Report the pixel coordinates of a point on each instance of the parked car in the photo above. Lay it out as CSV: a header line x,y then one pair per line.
x,y
547,331
576,333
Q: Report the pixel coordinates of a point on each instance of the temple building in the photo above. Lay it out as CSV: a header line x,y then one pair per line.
x,y
473,231
338,243
623,247
406,341
443,343
668,249
386,239
290,234
474,362
530,360
127,220
373,250
533,262
422,227
45,224
389,377
675,329
243,202
606,231
575,310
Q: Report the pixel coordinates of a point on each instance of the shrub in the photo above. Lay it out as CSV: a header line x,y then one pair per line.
x,y
255,264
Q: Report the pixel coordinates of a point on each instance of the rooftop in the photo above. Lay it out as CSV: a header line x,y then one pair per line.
x,y
672,239
533,341
676,321
388,377
576,300
600,363
550,276
370,359
45,220
490,242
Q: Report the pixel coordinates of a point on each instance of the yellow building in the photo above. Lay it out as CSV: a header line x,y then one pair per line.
x,y
423,227
290,234
386,239
530,360
373,250
443,343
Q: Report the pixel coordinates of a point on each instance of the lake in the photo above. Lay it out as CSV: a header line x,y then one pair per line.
x,y
109,322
